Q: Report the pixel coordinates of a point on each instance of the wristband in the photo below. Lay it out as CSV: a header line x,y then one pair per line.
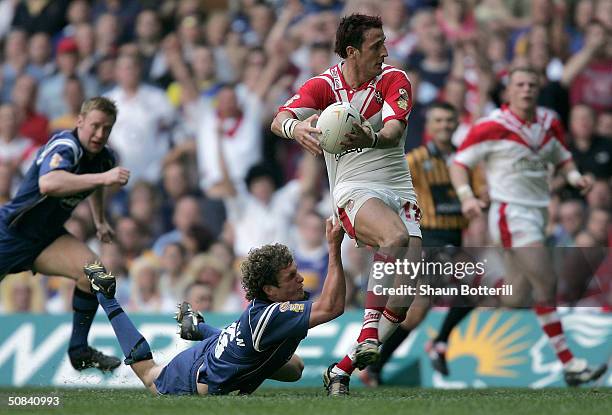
x,y
373,135
464,192
573,177
375,140
287,127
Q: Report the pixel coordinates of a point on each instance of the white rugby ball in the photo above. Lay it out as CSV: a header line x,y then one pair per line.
x,y
334,122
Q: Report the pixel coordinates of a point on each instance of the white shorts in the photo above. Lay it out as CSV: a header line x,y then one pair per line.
x,y
408,212
512,225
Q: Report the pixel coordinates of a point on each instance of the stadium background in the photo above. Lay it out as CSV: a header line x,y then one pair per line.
x,y
213,74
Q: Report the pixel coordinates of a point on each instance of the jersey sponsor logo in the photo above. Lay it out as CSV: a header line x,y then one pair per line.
x,y
287,306
525,164
56,160
344,153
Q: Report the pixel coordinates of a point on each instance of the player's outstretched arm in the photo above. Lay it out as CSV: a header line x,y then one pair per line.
x,y
59,183
331,302
284,125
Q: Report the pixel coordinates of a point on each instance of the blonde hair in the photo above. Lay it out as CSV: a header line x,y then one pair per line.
x,y
223,290
103,104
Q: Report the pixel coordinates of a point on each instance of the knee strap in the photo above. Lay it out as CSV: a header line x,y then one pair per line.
x,y
141,351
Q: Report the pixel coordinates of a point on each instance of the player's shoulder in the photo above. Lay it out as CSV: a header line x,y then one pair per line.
x,y
391,73
64,140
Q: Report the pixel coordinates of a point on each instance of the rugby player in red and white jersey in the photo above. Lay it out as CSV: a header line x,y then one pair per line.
x,y
518,143
370,182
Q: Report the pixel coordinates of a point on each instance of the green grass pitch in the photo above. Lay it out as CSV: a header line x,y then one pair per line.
x,y
312,401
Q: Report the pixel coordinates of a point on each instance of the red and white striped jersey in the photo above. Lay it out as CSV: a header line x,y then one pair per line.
x,y
386,97
517,154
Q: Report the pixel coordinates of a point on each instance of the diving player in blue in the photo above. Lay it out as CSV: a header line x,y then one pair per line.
x,y
259,345
70,167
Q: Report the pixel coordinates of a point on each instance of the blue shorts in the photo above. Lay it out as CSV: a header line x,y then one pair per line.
x,y
180,376
18,253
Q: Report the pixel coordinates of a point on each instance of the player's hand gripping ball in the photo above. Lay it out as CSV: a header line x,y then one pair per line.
x,y
335,122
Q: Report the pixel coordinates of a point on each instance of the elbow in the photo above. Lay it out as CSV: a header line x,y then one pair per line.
x,y
46,187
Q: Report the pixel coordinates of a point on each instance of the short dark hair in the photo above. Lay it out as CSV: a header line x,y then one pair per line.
x,y
351,31
443,105
262,267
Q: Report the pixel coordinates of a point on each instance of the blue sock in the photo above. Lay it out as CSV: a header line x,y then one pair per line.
x,y
206,330
133,344
85,306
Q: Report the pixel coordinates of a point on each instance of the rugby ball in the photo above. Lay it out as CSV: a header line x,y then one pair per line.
x,y
334,122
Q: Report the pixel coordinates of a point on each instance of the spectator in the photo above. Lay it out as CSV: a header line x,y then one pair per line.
x,y
53,87
22,294
200,296
571,221
400,40
187,213
598,225
143,207
173,263
107,30
148,39
146,295
587,73
85,38
32,124
205,269
15,150
603,127
141,135
310,251
131,237
15,59
39,49
73,96
591,153
42,16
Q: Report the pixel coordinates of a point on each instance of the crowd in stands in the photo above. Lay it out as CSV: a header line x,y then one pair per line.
x,y
197,83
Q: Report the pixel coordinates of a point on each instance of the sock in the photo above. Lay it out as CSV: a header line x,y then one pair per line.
x,y
85,306
128,336
452,319
206,330
551,325
388,323
388,347
344,367
371,318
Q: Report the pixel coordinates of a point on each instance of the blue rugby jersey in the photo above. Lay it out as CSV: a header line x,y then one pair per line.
x,y
33,215
255,346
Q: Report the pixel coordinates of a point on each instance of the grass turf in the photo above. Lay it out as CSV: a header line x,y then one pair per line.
x,y
312,401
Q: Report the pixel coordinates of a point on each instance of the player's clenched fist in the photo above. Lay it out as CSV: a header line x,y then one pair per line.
x,y
117,175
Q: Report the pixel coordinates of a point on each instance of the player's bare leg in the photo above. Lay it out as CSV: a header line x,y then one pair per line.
x,y
67,256
147,371
376,224
291,371
536,265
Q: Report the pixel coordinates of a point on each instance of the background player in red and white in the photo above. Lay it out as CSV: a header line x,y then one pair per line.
x,y
370,182
518,143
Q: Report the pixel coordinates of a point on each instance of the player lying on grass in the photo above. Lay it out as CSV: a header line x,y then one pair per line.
x,y
259,345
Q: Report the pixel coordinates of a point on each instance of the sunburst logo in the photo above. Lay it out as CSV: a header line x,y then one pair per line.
x,y
495,347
